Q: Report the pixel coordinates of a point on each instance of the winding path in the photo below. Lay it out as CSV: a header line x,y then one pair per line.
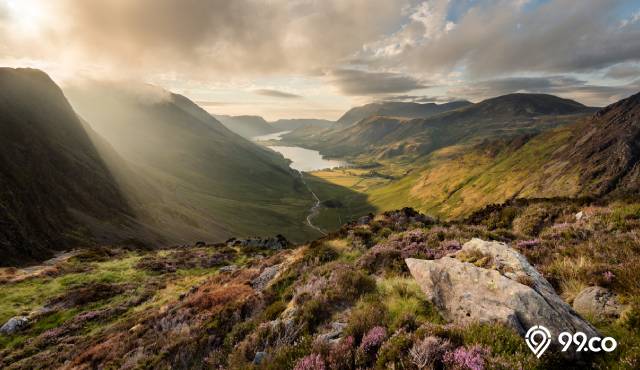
x,y
315,210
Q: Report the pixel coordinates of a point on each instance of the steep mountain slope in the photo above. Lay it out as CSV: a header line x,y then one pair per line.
x,y
397,109
607,151
507,115
52,178
247,126
294,124
243,188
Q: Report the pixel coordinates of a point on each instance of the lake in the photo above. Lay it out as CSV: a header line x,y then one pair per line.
x,y
304,160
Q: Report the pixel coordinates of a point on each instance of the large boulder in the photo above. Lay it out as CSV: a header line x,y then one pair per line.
x,y
599,302
14,325
490,282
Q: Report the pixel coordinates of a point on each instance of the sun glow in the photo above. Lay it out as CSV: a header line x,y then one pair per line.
x,y
26,16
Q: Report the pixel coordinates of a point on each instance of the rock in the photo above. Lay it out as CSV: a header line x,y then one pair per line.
x,y
14,325
259,357
276,243
579,216
335,331
599,302
230,268
265,277
510,291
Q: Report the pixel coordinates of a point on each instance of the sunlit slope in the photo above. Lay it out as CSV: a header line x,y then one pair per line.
x,y
246,189
594,156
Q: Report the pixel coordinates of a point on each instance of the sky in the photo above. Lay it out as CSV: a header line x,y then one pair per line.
x,y
317,58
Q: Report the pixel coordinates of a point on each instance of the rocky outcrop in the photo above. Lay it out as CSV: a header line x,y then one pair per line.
x,y
278,242
268,274
491,282
597,301
14,325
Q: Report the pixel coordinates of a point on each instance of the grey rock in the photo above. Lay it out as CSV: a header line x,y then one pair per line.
x,y
599,302
14,325
512,293
276,243
265,277
335,331
259,357
579,216
230,268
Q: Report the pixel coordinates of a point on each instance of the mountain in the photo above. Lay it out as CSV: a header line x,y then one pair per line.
x,y
584,155
607,150
219,183
397,109
247,126
294,124
56,191
507,115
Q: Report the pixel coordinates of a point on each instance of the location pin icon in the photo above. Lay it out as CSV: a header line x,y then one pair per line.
x,y
538,339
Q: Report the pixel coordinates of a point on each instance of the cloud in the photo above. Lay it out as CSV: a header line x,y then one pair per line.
x,y
505,37
421,99
357,82
569,87
624,71
206,39
277,94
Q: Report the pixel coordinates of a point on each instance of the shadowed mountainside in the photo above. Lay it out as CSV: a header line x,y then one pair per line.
x,y
53,179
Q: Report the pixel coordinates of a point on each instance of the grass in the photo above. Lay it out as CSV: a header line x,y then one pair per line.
x,y
405,300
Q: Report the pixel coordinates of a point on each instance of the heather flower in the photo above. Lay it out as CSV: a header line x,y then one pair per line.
x,y
608,276
373,339
471,358
342,355
311,362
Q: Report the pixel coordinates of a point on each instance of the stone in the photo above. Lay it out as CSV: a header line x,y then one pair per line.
x,y
14,325
229,268
335,331
268,274
509,291
259,357
275,243
579,216
599,302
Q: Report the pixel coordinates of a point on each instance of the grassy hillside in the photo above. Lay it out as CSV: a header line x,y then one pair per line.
x,y
178,308
231,185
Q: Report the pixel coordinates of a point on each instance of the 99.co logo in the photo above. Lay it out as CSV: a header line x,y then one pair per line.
x,y
538,339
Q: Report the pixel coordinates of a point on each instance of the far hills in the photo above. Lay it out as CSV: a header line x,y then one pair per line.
x,y
515,146
252,126
389,136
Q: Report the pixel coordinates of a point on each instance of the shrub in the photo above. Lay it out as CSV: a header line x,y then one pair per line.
x,y
349,284
310,362
428,351
471,358
319,253
393,352
342,355
369,313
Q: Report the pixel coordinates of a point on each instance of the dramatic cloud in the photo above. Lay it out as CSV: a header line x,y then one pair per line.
x,y
500,37
277,94
356,82
373,49
624,71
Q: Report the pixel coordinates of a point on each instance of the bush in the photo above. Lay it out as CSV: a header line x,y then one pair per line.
x,y
369,346
369,313
342,355
310,362
472,358
393,353
428,352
